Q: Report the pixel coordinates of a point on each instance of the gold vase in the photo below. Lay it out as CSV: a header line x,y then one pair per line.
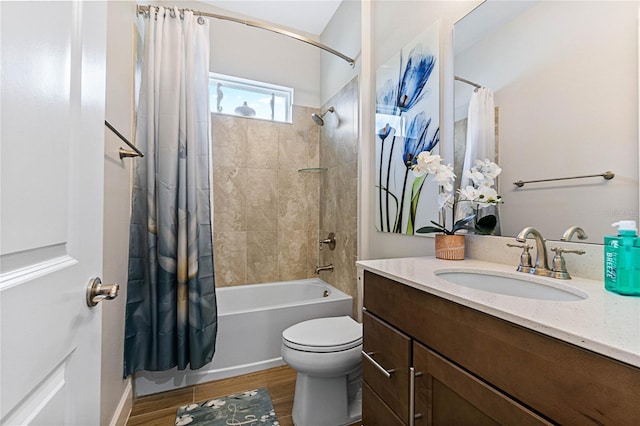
x,y
450,247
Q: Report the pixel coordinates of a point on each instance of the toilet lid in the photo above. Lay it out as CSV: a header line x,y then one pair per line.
x,y
324,335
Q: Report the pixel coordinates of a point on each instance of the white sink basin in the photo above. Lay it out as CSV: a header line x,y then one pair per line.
x,y
526,286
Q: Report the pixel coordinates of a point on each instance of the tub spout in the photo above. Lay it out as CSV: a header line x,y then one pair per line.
x,y
328,267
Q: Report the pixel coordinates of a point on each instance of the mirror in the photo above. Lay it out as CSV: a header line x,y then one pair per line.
x,y
565,81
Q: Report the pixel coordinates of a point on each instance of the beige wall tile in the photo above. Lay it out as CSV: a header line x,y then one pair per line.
x,y
262,257
230,258
261,199
328,200
229,201
262,144
292,200
229,141
293,149
313,245
292,249
312,191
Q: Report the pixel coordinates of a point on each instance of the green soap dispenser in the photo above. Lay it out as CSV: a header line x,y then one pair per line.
x,y
622,259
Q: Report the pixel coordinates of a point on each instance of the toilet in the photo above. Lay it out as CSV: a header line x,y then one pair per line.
x,y
326,353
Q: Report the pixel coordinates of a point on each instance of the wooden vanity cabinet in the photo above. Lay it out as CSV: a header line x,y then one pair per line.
x,y
471,368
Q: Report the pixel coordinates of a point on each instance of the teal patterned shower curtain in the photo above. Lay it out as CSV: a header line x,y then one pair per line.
x,y
171,314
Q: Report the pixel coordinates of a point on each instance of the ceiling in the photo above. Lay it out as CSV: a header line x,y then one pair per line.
x,y
310,16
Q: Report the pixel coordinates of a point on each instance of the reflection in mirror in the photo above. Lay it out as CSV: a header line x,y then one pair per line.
x,y
565,81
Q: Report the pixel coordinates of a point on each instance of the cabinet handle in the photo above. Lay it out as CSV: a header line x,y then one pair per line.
x,y
380,368
412,396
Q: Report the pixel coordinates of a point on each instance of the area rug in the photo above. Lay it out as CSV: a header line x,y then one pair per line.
x,y
248,408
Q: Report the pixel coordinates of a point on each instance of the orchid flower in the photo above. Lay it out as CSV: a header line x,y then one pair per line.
x,y
473,197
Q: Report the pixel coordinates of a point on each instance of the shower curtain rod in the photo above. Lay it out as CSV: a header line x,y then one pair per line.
x,y
464,80
145,9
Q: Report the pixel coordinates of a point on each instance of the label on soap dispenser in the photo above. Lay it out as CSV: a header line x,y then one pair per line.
x,y
610,263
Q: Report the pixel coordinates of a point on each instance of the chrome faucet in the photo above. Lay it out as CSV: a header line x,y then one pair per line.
x,y
542,265
574,230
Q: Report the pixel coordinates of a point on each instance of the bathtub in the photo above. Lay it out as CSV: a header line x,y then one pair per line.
x,y
251,319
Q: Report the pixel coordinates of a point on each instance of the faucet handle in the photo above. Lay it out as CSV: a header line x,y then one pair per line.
x,y
560,250
559,269
525,258
525,247
329,241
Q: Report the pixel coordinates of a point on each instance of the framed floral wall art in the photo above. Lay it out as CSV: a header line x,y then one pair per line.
x,y
407,123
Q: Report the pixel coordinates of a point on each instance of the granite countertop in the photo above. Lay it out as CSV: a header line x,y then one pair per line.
x,y
604,322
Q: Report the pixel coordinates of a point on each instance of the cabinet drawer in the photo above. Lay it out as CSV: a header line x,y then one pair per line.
x,y
447,395
375,412
391,351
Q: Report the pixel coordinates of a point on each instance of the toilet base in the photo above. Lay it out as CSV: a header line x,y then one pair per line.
x,y
322,401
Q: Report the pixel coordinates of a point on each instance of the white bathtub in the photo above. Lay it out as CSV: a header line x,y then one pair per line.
x,y
251,319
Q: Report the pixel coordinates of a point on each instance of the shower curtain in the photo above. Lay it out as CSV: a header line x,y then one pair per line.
x,y
171,317
481,142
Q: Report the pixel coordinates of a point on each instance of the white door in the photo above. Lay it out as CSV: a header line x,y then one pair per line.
x,y
51,184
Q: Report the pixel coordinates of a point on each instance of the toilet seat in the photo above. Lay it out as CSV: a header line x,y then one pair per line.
x,y
323,335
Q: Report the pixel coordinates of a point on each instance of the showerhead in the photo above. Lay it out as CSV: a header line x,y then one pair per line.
x,y
318,119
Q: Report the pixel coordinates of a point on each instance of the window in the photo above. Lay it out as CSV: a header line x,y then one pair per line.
x,y
248,98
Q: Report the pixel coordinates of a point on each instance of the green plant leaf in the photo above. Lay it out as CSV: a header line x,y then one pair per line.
x,y
485,225
430,229
462,223
415,198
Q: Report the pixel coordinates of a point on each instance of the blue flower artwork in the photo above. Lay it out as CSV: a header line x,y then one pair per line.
x,y
407,123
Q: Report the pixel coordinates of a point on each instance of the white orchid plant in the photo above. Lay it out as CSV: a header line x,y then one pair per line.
x,y
471,199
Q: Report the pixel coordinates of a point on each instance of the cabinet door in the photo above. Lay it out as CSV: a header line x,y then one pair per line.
x,y
389,351
375,412
447,395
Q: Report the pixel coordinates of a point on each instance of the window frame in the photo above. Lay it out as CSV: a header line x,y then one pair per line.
x,y
251,86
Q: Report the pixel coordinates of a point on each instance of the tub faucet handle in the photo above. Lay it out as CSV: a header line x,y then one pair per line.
x,y
329,241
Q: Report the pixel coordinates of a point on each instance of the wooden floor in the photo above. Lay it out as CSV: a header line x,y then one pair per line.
x,y
160,409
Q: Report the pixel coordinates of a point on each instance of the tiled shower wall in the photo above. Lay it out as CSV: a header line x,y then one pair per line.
x,y
266,213
338,188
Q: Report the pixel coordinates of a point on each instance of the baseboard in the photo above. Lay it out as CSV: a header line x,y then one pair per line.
x,y
121,415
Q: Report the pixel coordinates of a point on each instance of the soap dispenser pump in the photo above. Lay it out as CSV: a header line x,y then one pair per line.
x,y
622,259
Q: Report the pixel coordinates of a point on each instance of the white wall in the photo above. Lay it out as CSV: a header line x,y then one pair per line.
x,y
257,54
344,34
116,395
387,26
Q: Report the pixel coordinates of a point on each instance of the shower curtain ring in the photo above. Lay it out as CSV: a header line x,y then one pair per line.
x,y
173,13
200,20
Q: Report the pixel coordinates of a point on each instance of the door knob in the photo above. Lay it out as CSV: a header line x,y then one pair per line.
x,y
97,292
